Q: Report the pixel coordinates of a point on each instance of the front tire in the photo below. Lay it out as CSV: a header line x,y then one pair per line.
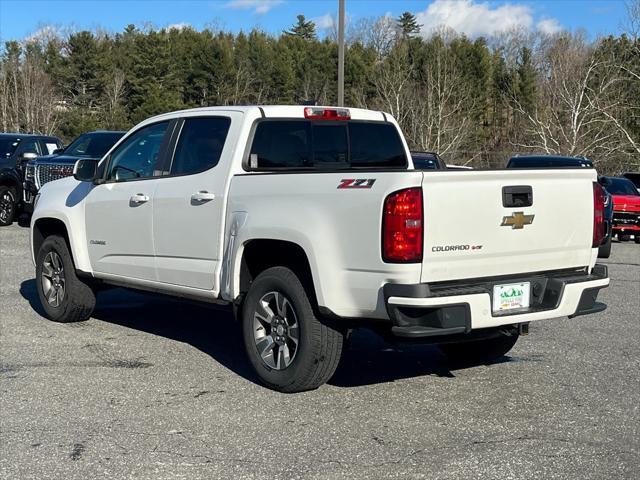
x,y
8,205
479,351
605,250
624,237
64,297
290,349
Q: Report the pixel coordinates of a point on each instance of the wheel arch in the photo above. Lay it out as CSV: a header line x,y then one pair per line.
x,y
12,180
257,255
45,227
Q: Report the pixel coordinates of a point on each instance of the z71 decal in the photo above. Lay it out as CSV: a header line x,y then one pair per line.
x,y
357,182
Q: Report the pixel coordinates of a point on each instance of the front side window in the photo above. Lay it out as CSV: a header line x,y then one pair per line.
x,y
8,145
200,145
28,146
138,155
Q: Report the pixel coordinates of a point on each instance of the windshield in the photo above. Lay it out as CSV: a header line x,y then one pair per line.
x,y
8,145
620,186
93,145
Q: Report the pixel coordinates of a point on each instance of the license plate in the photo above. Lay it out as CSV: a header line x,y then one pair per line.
x,y
511,296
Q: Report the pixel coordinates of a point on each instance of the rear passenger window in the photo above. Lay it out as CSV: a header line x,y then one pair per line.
x,y
303,144
200,144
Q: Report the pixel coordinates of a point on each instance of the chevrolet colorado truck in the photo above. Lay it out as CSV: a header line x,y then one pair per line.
x,y
311,221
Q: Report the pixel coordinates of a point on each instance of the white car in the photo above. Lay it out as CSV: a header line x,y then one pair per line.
x,y
312,221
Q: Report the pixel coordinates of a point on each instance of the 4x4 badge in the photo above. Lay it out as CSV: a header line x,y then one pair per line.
x,y
517,221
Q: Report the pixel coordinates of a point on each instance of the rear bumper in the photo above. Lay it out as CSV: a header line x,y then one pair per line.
x,y
424,310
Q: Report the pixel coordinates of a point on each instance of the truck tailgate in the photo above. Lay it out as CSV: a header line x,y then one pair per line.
x,y
464,212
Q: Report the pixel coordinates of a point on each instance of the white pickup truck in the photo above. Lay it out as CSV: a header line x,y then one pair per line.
x,y
312,221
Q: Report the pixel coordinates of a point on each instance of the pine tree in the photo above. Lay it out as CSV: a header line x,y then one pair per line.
x,y
408,25
526,80
303,29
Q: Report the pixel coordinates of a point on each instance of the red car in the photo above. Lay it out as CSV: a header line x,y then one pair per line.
x,y
626,207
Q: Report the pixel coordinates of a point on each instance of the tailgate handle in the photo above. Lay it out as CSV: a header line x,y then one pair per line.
x,y
517,196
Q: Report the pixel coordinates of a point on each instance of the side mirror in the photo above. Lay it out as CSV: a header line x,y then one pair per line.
x,y
27,156
57,151
86,170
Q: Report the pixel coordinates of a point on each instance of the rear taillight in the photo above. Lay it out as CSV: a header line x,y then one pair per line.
x,y
402,226
598,215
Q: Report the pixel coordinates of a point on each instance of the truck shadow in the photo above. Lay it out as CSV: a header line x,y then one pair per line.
x,y
367,359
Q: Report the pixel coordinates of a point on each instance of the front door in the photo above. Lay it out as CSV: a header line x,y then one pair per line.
x,y
119,212
189,203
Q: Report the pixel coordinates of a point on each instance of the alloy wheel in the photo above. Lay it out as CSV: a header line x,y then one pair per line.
x,y
275,330
53,279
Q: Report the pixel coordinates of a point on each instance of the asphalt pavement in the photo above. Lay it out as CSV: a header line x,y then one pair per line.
x,y
159,388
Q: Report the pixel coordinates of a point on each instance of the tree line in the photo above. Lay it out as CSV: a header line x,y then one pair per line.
x,y
474,101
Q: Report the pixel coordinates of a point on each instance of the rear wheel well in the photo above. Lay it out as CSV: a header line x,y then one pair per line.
x,y
262,254
45,227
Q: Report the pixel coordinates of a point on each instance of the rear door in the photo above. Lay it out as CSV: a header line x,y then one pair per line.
x,y
476,227
190,201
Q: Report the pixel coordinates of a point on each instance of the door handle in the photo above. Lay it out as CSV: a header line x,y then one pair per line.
x,y
139,198
203,196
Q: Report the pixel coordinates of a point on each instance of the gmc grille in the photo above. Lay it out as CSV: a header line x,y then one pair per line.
x,y
50,172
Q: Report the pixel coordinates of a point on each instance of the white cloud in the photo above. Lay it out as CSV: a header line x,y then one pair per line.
x,y
178,26
549,26
475,18
259,7
44,34
324,22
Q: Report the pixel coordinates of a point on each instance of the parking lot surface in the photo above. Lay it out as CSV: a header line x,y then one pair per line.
x,y
159,388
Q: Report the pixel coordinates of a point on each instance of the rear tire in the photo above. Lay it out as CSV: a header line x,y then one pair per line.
x,y
64,297
637,239
290,349
8,205
478,351
605,250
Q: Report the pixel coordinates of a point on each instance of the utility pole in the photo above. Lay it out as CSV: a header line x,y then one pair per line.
x,y
341,53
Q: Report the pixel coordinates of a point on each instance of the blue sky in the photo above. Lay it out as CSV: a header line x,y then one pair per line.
x,y
20,19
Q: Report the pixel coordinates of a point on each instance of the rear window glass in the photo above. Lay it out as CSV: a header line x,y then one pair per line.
x,y
303,144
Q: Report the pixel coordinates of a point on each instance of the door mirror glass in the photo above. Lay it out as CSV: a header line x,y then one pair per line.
x,y
86,170
26,156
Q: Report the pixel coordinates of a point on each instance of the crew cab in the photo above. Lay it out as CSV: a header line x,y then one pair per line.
x,y
16,149
626,207
59,163
311,221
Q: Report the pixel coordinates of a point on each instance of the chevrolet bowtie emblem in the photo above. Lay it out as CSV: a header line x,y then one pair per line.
x,y
517,221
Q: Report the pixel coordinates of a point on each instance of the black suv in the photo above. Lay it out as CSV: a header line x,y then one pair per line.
x,y
60,164
548,161
16,149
